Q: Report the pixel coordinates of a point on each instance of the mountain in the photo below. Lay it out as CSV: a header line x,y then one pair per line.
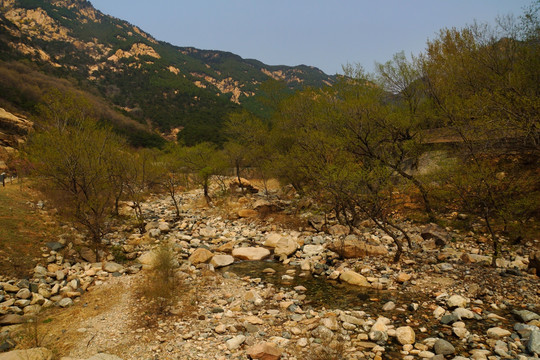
x,y
166,88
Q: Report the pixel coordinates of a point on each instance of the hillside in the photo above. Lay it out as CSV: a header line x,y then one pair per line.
x,y
164,87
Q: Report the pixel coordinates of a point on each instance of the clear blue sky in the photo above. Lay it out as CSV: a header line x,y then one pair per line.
x,y
321,33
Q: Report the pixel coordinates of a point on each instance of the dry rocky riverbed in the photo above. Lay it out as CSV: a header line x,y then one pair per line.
x,y
251,287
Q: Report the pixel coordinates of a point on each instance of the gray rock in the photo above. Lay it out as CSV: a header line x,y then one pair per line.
x,y
235,342
462,313
449,319
112,267
526,315
389,306
55,245
65,302
40,271
533,345
443,347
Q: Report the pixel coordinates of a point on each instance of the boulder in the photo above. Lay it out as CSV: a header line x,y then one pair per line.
x,y
526,315
65,302
285,246
312,250
227,247
351,247
497,333
112,267
272,240
250,253
403,277
221,260
354,278
11,319
264,351
199,256
339,230
443,347
88,254
533,345
55,245
235,342
147,259
456,301
30,354
207,232
405,335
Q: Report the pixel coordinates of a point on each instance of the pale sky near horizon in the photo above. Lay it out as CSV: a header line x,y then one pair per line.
x,y
325,34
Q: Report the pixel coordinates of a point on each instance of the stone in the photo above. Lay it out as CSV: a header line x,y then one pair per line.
x,y
443,347
271,240
148,259
403,277
331,323
497,333
389,306
449,319
220,329
207,232
235,342
526,315
23,294
456,301
251,253
264,351
285,247
65,302
426,354
354,278
312,250
11,319
40,271
351,247
30,354
88,254
339,230
55,245
533,345
112,267
200,256
164,227
405,335
462,313
221,260
10,288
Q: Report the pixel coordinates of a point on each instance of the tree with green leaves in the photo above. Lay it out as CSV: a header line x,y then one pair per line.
x,y
203,161
73,154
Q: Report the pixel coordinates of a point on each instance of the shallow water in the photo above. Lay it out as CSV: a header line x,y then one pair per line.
x,y
320,292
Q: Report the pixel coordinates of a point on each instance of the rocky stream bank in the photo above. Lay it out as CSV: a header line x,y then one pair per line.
x,y
253,288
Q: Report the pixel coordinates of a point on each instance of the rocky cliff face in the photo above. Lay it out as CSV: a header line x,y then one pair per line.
x,y
13,132
170,85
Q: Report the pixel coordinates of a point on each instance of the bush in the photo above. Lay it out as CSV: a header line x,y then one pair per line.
x,y
161,288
